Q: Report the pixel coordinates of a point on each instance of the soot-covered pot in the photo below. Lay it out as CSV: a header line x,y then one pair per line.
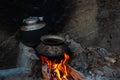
x,y
32,30
52,46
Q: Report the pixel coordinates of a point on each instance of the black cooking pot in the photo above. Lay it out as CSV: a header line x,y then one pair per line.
x,y
52,46
32,30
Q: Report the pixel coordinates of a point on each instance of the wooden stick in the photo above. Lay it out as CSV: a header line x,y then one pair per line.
x,y
45,72
75,74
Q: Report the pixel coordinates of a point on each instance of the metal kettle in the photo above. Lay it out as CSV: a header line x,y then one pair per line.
x,y
31,31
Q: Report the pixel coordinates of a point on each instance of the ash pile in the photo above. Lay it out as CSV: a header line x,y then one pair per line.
x,y
95,63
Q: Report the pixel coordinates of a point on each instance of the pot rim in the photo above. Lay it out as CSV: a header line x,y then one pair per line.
x,y
60,39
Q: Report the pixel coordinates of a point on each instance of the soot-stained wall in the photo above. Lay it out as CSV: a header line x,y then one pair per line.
x,y
96,23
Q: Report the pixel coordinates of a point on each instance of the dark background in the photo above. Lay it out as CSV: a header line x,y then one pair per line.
x,y
12,12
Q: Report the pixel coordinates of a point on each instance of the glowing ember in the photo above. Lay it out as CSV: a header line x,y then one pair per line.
x,y
58,69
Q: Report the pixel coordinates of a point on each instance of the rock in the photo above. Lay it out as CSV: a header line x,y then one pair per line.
x,y
101,51
74,46
108,71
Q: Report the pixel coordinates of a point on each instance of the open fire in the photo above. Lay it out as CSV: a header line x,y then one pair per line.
x,y
58,69
54,61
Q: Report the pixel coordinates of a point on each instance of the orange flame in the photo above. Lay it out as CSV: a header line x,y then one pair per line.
x,y
59,68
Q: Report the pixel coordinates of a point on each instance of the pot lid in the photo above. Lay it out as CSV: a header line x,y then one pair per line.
x,y
33,23
31,20
33,27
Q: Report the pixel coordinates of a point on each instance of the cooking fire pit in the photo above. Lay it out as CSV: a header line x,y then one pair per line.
x,y
54,55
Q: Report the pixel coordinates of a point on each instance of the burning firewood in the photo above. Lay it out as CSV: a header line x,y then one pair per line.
x,y
73,74
54,70
45,72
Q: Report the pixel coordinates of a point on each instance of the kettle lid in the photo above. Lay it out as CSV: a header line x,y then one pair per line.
x,y
31,20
